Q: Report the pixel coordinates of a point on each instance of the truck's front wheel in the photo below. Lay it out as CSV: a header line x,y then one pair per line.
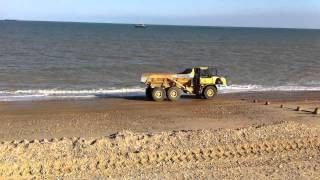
x,y
209,92
158,94
174,93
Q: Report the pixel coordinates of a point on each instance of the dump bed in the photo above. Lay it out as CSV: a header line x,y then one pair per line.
x,y
165,79
146,77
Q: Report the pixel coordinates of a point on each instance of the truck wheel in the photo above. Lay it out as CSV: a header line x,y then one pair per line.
x,y
149,92
209,92
158,94
174,94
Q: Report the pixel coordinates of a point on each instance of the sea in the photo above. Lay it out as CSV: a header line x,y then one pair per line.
x,y
53,60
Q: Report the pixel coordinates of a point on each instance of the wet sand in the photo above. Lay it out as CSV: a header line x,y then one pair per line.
x,y
100,117
225,138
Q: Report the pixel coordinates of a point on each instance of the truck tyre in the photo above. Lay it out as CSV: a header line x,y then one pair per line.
x,y
149,92
174,94
199,96
158,94
209,92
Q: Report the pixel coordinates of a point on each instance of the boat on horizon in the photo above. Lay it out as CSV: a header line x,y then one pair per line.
x,y
9,20
140,26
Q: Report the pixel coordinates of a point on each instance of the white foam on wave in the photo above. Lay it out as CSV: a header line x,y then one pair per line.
x,y
48,94
76,92
260,88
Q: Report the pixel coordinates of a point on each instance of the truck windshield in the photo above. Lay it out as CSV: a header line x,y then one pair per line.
x,y
213,71
187,71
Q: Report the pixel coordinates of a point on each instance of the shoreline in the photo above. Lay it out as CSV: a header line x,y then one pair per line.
x,y
140,94
102,116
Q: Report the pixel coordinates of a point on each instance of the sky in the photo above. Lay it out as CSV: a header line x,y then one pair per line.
x,y
244,13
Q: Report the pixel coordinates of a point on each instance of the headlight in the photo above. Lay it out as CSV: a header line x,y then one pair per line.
x,y
143,79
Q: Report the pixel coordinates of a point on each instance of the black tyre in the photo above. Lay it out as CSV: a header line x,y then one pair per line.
x,y
149,93
209,92
174,94
158,94
199,96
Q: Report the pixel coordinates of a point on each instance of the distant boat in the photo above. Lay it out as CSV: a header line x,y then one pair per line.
x,y
10,20
140,26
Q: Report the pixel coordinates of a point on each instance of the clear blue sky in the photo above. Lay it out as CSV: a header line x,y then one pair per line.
x,y
258,13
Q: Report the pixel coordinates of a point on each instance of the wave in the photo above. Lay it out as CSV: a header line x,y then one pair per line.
x,y
48,94
261,88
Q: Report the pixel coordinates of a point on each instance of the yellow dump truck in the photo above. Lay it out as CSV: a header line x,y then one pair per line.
x,y
201,81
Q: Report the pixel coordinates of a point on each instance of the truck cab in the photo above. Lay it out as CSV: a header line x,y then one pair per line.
x,y
204,76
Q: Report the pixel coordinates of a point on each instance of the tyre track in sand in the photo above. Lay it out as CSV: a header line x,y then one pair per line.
x,y
102,157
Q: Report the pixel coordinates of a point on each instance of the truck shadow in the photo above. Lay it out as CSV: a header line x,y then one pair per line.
x,y
108,96
135,98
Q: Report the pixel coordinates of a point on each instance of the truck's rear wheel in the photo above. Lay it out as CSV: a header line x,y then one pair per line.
x,y
149,92
199,96
209,92
174,94
158,94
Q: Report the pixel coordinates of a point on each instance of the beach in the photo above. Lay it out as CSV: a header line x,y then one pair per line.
x,y
234,135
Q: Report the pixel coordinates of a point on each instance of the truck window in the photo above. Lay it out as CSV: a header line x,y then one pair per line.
x,y
213,71
205,73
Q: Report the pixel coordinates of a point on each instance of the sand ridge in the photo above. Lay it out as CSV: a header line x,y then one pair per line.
x,y
288,148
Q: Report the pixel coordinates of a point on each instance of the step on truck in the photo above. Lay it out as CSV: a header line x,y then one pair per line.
x,y
203,82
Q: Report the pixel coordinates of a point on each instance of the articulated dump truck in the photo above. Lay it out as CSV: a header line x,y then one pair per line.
x,y
204,82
